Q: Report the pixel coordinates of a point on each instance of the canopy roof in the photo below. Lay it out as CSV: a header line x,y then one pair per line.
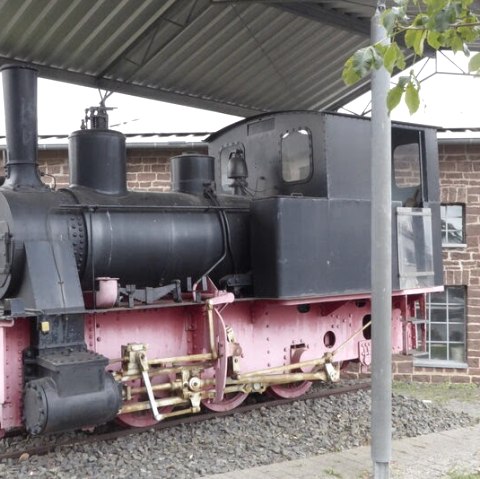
x,y
236,57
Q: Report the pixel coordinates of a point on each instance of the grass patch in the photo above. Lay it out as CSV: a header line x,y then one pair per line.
x,y
332,473
440,393
461,475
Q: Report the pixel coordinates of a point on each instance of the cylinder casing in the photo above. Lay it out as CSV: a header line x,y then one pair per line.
x,y
191,173
97,160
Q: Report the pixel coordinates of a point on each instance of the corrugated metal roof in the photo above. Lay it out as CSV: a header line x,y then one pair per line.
x,y
237,57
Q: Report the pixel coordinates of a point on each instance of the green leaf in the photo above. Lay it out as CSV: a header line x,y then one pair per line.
x,y
360,64
474,63
410,38
469,33
401,63
390,58
381,49
419,42
457,43
389,19
403,81
393,97
440,22
393,57
415,37
434,6
466,4
434,39
377,60
412,98
362,61
349,75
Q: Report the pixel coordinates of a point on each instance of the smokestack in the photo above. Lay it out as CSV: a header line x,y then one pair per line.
x,y
20,98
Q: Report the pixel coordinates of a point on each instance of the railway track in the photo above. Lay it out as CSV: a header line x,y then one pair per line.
x,y
51,446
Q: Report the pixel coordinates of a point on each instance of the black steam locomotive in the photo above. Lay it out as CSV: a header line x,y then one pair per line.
x,y
252,274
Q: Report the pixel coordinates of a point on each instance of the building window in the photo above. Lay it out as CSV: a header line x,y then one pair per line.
x,y
452,217
446,329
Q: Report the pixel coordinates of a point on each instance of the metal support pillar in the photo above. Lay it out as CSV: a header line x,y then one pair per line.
x,y
381,215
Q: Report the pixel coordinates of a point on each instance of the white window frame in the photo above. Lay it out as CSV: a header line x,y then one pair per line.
x,y
444,209
425,359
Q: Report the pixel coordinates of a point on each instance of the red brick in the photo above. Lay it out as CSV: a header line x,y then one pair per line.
x,y
162,177
464,166
473,362
422,378
405,367
461,379
146,176
455,149
459,255
474,310
159,168
135,168
440,379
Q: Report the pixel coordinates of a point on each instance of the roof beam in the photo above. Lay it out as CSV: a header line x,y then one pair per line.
x,y
328,16
83,79
138,37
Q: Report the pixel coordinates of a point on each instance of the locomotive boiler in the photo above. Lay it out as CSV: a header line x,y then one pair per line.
x,y
251,275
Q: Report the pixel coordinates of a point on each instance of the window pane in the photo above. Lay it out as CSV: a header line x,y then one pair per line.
x,y
453,237
406,161
456,294
438,314
455,224
296,155
457,353
456,333
438,351
437,297
454,211
438,332
456,313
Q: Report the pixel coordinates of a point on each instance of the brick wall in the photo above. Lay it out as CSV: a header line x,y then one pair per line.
x,y
460,184
147,169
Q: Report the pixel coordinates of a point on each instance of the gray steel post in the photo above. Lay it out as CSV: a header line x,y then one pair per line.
x,y
381,215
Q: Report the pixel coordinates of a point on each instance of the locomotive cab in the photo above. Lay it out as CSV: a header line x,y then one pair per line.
x,y
311,173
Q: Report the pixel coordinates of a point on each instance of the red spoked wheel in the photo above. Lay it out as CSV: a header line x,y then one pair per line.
x,y
230,401
290,391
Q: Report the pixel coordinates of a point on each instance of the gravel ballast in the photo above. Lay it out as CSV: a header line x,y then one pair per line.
x,y
256,438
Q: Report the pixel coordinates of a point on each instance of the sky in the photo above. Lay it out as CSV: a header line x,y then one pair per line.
x,y
61,107
448,99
